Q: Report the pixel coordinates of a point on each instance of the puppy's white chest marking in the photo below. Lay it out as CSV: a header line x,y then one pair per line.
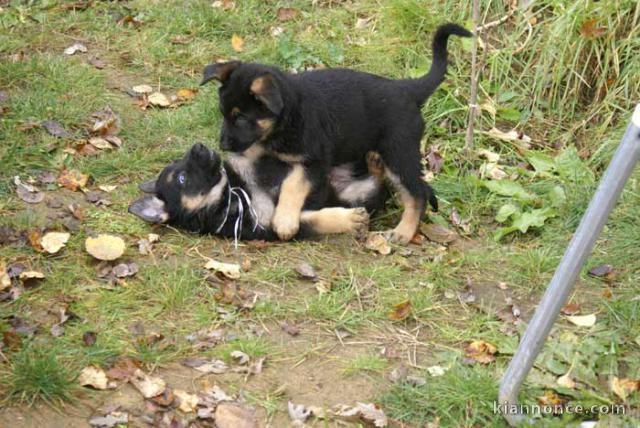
x,y
262,202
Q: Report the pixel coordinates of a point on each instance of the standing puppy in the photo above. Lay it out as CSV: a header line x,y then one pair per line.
x,y
325,118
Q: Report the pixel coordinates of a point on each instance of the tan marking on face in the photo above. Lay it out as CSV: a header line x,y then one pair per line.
x,y
336,220
197,202
170,177
293,192
259,85
235,110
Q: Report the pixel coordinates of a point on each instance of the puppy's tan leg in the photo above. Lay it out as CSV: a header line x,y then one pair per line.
x,y
410,220
293,192
337,220
413,210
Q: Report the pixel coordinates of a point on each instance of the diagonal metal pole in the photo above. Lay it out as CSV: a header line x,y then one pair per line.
x,y
624,160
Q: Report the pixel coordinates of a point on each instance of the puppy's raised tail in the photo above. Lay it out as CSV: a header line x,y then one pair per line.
x,y
423,87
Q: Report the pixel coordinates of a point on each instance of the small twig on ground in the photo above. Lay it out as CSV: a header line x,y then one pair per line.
x,y
473,107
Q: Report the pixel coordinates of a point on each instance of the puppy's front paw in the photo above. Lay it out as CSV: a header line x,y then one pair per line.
x,y
359,221
285,225
401,235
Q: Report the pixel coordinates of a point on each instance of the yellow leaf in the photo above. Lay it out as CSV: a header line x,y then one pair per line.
x,y
237,43
623,387
481,352
188,402
142,89
159,99
72,179
582,320
95,377
186,93
230,270
105,247
400,311
52,242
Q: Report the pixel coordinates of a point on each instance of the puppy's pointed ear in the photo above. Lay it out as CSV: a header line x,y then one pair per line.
x,y
265,88
148,186
150,209
219,71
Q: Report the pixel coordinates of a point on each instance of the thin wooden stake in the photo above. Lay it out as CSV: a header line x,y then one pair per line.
x,y
473,106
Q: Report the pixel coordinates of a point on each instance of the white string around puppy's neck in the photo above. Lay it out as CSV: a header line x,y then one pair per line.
x,y
242,197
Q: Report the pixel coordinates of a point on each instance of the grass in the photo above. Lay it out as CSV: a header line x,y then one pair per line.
x,y
36,373
563,74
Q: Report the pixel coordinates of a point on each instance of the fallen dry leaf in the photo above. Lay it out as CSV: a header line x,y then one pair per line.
x,y
378,243
76,47
54,128
582,320
438,233
367,412
148,386
96,378
570,309
298,412
72,179
550,398
98,63
436,371
142,89
524,141
481,352
26,192
566,381
105,247
591,30
229,415
108,188
287,13
52,242
306,271
435,161
252,369
229,270
159,99
224,4
123,369
237,43
106,124
240,357
289,328
602,271
206,366
186,93
188,402
623,387
89,338
110,420
30,274
400,311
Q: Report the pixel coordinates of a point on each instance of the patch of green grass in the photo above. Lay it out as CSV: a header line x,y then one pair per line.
x,y
463,396
38,373
365,363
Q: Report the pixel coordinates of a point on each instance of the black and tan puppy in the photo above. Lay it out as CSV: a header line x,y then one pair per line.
x,y
324,118
236,198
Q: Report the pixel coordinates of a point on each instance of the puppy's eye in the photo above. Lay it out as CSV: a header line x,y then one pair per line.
x,y
182,178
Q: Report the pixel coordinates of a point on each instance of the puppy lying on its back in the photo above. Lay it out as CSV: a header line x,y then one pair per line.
x,y
236,198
